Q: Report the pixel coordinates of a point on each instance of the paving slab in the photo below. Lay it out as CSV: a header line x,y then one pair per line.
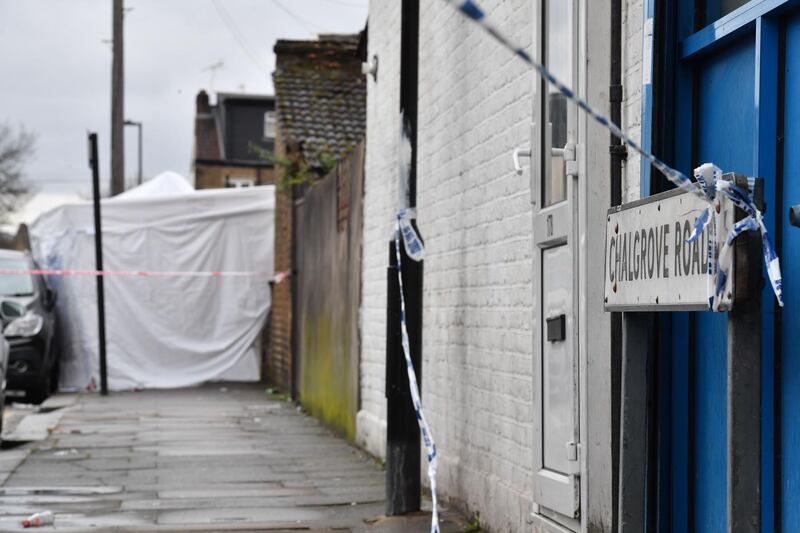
x,y
210,458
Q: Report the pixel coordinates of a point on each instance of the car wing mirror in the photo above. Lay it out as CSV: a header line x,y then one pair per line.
x,y
11,310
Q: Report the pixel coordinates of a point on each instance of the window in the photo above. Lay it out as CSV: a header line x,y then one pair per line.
x,y
15,284
558,58
238,183
269,125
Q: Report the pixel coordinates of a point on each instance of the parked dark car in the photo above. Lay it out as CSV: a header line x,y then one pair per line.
x,y
27,308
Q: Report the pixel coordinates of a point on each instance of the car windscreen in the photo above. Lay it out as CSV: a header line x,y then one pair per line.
x,y
15,284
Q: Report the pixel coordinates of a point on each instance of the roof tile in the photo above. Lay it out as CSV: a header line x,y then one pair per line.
x,y
321,94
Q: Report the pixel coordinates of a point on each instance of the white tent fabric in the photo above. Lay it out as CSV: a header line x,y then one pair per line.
x,y
165,184
162,332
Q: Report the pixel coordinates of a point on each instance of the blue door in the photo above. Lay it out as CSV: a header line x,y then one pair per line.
x,y
789,361
731,80
725,110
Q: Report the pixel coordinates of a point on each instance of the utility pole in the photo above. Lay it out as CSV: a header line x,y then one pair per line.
x,y
117,104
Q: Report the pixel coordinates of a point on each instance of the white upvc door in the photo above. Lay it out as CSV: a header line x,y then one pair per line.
x,y
555,196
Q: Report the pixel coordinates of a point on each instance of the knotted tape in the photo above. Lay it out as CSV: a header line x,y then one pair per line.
x,y
714,189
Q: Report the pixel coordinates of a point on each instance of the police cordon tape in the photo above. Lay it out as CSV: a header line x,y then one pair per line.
x,y
276,277
709,190
709,177
415,251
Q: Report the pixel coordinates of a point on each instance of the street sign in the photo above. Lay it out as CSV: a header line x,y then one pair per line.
x,y
649,264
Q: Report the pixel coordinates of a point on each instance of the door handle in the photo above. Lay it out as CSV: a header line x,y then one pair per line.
x,y
794,216
519,152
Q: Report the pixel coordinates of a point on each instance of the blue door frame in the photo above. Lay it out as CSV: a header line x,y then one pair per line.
x,y
731,98
789,324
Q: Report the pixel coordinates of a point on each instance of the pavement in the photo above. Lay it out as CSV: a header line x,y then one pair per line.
x,y
219,457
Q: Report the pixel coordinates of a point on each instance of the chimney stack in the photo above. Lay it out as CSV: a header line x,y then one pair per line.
x,y
203,106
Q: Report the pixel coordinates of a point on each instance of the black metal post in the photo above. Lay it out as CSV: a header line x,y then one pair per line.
x,y
98,250
637,340
402,430
744,381
409,88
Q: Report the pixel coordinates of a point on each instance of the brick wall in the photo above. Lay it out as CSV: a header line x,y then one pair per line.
x,y
380,201
213,176
279,356
475,216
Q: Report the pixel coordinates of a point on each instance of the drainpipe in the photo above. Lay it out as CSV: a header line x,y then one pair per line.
x,y
617,150
618,153
402,431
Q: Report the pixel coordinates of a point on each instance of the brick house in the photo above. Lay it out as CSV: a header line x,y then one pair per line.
x,y
320,97
223,135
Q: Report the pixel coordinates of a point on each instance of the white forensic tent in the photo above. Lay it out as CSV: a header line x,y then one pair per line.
x,y
162,332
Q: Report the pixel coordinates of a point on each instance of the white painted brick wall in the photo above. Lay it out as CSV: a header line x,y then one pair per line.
x,y
380,204
632,24
475,215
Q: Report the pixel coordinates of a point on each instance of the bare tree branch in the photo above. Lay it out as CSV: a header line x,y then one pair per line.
x,y
17,146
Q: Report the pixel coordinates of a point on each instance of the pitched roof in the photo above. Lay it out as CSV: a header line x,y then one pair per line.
x,y
321,94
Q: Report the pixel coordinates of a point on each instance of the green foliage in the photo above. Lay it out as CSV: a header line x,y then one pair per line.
x,y
474,525
274,394
297,172
326,160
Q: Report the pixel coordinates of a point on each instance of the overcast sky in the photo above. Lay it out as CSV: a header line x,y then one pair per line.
x,y
55,71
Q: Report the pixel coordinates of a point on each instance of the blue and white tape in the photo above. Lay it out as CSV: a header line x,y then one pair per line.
x,y
411,240
707,190
414,250
709,177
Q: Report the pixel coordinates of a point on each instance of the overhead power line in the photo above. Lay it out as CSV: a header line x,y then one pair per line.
x,y
297,18
237,34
